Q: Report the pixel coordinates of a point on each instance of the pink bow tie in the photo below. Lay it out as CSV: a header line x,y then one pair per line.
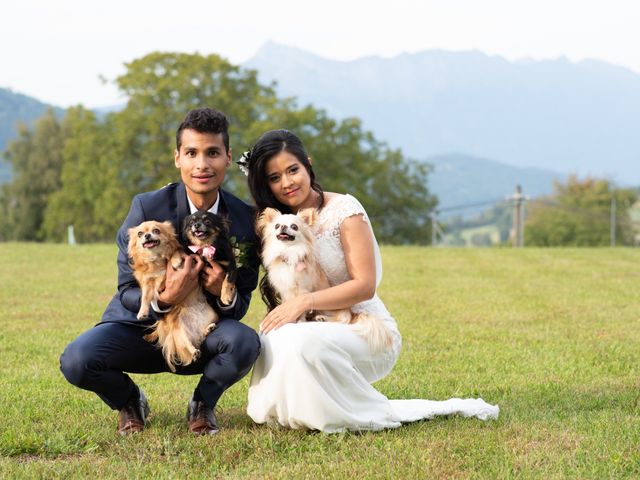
x,y
206,251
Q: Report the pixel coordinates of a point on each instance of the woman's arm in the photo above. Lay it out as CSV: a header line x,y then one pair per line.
x,y
357,244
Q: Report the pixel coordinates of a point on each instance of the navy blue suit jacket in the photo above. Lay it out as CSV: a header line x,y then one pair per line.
x,y
170,203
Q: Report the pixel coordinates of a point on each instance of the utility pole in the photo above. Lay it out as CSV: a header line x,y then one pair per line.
x,y
518,218
613,221
434,238
434,227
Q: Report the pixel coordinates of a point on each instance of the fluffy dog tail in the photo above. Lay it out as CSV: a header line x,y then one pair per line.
x,y
373,330
172,337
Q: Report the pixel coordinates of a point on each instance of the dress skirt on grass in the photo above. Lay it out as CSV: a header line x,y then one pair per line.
x,y
318,375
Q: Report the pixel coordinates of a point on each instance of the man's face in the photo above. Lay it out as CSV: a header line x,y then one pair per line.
x,y
202,160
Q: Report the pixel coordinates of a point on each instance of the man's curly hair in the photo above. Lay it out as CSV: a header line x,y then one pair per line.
x,y
204,120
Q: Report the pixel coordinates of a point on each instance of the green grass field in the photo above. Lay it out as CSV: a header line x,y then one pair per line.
x,y
552,336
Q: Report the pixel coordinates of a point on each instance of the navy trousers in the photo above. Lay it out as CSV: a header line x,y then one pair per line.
x,y
98,359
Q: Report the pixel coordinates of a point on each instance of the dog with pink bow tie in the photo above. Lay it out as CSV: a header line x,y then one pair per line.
x,y
208,236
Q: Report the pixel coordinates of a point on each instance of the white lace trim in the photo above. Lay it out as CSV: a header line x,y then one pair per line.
x,y
338,209
329,250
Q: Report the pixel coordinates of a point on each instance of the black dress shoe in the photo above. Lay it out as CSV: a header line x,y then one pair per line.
x,y
201,419
133,416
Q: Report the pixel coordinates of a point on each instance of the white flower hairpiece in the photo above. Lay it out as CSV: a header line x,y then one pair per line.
x,y
243,162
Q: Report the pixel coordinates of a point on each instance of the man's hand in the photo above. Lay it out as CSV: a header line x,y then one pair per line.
x,y
212,277
180,283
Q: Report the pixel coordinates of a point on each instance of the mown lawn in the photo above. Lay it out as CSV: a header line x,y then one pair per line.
x,y
552,336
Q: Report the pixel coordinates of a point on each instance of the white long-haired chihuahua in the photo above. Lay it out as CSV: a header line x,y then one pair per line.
x,y
288,257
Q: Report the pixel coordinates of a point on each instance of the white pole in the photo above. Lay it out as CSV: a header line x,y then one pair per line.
x,y
71,237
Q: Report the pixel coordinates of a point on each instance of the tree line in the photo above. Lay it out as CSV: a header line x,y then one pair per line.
x,y
580,212
82,170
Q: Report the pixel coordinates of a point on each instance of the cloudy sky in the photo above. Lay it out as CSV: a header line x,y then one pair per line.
x,y
57,51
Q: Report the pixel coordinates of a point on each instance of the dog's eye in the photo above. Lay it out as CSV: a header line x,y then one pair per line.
x,y
156,231
277,226
139,234
294,226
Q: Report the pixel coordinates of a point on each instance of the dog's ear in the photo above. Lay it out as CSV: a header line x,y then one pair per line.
x,y
133,234
269,214
168,228
132,244
266,217
308,215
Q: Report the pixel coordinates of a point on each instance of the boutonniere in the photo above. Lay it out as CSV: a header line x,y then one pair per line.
x,y
240,251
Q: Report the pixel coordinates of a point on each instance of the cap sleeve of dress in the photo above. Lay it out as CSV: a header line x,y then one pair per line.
x,y
348,206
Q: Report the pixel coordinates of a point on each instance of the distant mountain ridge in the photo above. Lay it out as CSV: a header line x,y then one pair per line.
x,y
552,114
15,108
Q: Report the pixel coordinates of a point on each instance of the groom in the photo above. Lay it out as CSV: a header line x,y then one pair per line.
x,y
98,358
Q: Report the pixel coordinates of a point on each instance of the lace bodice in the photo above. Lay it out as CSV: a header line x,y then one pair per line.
x,y
329,250
328,247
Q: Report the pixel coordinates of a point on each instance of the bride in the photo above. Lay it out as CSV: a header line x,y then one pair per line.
x,y
318,375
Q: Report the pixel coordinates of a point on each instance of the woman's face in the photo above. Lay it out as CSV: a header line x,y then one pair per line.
x,y
289,181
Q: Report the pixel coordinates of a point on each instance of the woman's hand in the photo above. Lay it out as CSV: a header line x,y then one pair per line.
x,y
288,312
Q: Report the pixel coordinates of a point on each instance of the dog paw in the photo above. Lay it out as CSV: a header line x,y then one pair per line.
x,y
143,312
228,292
177,261
209,328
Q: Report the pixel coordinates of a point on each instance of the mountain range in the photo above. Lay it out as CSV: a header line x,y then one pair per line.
x,y
552,114
15,108
484,123
466,185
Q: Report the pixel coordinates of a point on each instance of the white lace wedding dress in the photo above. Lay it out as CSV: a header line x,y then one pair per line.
x,y
318,375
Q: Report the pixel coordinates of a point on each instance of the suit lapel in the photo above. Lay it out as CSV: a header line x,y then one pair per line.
x,y
222,206
182,210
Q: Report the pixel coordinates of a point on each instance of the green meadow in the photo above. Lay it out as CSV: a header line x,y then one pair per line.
x,y
551,335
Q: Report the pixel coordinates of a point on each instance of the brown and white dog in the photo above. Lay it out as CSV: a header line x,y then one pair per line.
x,y
288,256
153,248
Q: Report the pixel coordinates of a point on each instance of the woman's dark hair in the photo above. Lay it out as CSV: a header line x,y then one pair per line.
x,y
269,145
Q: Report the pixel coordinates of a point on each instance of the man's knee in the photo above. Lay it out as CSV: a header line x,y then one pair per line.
x,y
240,341
76,364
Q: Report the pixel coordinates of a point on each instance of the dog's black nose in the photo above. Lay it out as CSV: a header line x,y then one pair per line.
x,y
147,236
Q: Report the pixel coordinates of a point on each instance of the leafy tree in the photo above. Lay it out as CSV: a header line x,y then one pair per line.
x,y
36,160
578,214
162,86
81,179
101,165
